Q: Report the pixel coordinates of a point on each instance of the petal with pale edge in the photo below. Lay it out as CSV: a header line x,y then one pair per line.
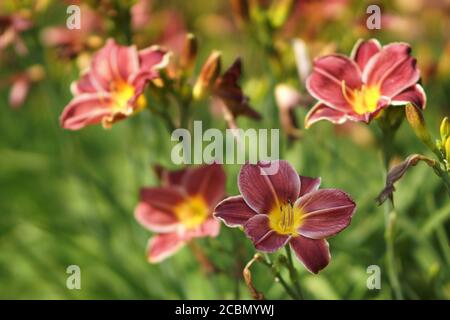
x,y
152,58
414,94
233,211
308,185
267,184
163,246
364,50
208,181
393,69
86,109
326,81
321,111
326,212
314,254
263,237
155,209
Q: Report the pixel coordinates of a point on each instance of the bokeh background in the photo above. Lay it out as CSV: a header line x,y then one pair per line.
x,y
68,197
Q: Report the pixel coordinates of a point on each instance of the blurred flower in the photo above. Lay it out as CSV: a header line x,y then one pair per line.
x,y
233,101
288,98
359,88
181,209
11,27
70,43
140,14
112,89
21,82
287,208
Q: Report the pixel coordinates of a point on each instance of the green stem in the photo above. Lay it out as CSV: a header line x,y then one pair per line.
x,y
390,217
279,278
293,272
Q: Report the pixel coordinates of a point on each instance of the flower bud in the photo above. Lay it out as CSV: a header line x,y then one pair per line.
x,y
279,12
240,9
208,75
417,123
445,129
447,150
189,52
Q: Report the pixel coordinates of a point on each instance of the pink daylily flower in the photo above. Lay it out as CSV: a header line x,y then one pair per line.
x,y
181,209
113,87
286,208
360,87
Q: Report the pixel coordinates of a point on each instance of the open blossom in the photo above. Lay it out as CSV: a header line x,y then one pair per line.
x,y
285,208
11,28
181,209
113,87
360,87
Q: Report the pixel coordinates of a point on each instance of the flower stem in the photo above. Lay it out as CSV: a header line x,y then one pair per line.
x,y
293,272
279,278
390,217
207,266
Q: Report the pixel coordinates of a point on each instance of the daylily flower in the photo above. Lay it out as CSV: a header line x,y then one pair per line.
x,y
21,84
285,208
181,209
360,87
11,27
71,42
113,87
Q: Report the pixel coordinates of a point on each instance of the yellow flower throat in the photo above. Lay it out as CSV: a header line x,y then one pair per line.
x,y
286,219
192,212
362,100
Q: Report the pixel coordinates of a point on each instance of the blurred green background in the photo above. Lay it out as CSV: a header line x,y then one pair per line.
x,y
67,198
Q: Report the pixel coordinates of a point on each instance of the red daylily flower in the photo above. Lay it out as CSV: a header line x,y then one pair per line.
x,y
360,87
285,208
112,89
181,209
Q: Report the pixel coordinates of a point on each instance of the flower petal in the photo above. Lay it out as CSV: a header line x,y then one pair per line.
x,y
162,246
314,254
364,50
262,189
329,73
308,185
327,212
264,238
414,94
393,68
321,111
86,109
101,65
19,91
155,209
169,178
233,211
208,181
153,58
210,228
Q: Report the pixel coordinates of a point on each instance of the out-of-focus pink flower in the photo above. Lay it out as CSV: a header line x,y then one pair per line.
x,y
140,14
285,208
113,87
288,98
181,209
360,87
10,29
71,42
20,84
